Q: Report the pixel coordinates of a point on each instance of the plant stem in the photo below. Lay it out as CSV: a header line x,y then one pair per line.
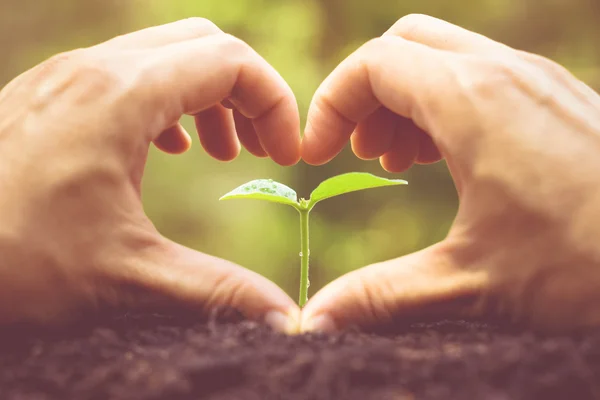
x,y
304,256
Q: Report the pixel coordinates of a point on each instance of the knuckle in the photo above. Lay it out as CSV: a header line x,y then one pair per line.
x,y
505,71
237,52
537,59
413,19
95,76
228,291
236,45
79,77
374,299
56,63
487,76
372,51
525,79
61,58
94,70
545,64
409,24
81,65
374,43
200,25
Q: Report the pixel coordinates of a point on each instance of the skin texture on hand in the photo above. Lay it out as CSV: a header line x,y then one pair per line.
x,y
521,137
74,137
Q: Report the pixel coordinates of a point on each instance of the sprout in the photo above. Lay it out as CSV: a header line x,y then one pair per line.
x,y
269,190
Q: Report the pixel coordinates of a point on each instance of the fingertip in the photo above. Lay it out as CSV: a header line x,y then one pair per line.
x,y
399,159
393,165
293,153
428,151
323,323
174,140
362,150
310,155
373,136
226,154
216,131
404,149
174,275
288,154
284,322
247,135
326,133
332,307
288,163
318,150
278,131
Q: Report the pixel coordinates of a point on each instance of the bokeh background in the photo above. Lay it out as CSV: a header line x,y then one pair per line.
x,y
303,40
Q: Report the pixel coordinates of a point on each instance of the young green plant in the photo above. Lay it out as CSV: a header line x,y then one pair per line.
x,y
269,190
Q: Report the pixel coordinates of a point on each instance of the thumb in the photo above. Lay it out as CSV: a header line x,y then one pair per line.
x,y
427,283
170,275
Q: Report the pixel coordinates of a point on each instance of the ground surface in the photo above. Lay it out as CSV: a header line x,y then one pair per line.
x,y
158,357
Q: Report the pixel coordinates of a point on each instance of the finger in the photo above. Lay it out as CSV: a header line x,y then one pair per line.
x,y
406,77
404,149
230,70
217,133
156,36
442,35
428,151
173,276
374,136
426,284
247,135
174,140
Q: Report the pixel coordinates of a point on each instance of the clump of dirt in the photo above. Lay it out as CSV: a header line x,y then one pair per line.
x,y
177,357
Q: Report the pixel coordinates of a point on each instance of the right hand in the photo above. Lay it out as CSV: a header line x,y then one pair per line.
x,y
521,137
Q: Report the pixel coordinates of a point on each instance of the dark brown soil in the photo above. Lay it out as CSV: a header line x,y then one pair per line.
x,y
158,357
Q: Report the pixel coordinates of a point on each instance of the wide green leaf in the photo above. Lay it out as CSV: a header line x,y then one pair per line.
x,y
350,182
264,189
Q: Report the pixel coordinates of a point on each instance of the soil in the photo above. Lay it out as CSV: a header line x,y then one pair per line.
x,y
178,357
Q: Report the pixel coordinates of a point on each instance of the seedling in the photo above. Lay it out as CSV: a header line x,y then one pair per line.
x,y
267,189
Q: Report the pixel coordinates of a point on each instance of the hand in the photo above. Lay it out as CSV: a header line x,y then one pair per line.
x,y
74,136
521,137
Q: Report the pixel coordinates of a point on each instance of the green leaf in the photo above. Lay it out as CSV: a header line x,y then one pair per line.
x,y
264,189
350,182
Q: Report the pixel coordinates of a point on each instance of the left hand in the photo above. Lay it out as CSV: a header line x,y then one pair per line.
x,y
74,136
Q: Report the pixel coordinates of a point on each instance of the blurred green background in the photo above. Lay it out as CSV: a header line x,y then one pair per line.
x,y
303,40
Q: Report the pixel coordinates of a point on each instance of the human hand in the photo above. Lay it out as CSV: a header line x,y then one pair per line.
x,y
74,136
521,137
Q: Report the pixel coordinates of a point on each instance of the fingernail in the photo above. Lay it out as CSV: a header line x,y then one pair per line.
x,y
319,323
281,322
